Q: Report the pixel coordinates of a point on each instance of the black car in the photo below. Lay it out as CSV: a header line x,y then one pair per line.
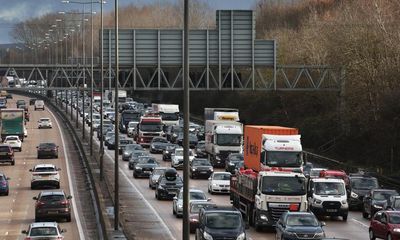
x,y
200,150
47,150
220,222
376,200
20,102
192,140
144,167
168,185
299,225
175,131
52,206
123,143
106,128
126,154
109,136
200,167
158,144
360,185
135,157
32,101
6,154
234,162
111,142
168,151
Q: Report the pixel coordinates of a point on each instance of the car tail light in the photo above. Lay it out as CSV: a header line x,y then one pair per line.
x,y
28,238
3,184
39,204
64,202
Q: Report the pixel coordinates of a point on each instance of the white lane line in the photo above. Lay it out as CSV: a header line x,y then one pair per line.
x,y
360,223
143,198
6,233
77,216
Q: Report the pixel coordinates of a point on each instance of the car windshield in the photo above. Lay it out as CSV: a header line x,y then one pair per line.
x,y
44,120
125,141
396,204
151,127
394,218
47,145
277,185
195,207
236,157
146,160
378,195
329,188
302,220
160,140
283,159
221,176
132,147
223,220
364,183
45,169
139,153
180,152
201,163
159,171
43,231
170,116
176,180
229,139
11,138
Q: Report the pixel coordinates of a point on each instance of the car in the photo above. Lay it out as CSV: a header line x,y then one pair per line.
x,y
385,225
219,182
144,167
360,185
111,142
168,185
220,222
39,104
96,124
45,175
155,175
52,205
9,96
127,152
32,101
131,129
177,158
135,157
194,209
194,194
234,162
4,186
14,142
200,150
106,128
394,203
299,225
158,144
123,143
192,140
168,151
45,123
6,154
376,200
47,149
20,102
108,136
44,230
200,167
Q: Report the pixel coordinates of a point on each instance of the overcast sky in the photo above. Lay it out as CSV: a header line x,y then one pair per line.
x,y
13,11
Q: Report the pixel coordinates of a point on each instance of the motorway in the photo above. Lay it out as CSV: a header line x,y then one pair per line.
x,y
17,210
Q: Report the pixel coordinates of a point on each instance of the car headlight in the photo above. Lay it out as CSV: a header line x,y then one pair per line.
x,y
138,168
211,169
320,234
344,201
193,169
242,236
231,164
166,152
207,236
215,185
397,230
263,217
317,201
354,195
377,206
160,187
290,233
179,205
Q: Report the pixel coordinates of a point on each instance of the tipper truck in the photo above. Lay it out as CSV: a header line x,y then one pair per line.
x,y
12,122
272,147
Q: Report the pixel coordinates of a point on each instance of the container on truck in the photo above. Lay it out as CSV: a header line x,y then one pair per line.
x,y
272,147
223,114
264,196
150,126
221,139
12,122
110,95
126,117
169,113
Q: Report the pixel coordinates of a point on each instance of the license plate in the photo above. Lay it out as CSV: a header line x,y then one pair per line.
x,y
171,193
52,212
146,171
203,172
331,210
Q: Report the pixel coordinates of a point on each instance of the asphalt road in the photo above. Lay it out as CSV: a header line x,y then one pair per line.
x,y
17,209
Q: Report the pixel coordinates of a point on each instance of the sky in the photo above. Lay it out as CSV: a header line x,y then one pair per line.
x,y
14,11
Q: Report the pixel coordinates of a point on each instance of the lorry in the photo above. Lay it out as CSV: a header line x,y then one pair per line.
x,y
110,95
149,126
224,114
264,196
272,147
169,113
221,139
12,122
126,117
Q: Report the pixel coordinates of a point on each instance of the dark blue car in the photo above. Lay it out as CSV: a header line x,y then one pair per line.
x,y
4,187
299,225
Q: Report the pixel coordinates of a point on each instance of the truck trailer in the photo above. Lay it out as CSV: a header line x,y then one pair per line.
x,y
12,122
222,114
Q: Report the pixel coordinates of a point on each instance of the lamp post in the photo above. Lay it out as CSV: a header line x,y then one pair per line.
x,y
116,154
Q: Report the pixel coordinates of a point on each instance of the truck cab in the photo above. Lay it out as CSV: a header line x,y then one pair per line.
x,y
149,126
328,197
169,113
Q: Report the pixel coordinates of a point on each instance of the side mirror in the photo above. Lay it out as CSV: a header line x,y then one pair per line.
x,y
69,197
30,170
24,232
35,198
208,199
8,178
323,224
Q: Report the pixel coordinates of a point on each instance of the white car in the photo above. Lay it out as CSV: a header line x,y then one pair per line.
x,y
177,158
45,123
45,175
194,195
14,142
219,182
39,104
44,230
131,128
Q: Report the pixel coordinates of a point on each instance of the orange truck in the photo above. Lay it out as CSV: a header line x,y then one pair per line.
x,y
272,148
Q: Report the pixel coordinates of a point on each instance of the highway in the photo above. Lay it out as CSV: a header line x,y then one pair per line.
x,y
17,210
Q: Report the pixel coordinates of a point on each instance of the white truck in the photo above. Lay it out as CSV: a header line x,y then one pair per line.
x,y
328,197
110,95
169,113
222,114
221,139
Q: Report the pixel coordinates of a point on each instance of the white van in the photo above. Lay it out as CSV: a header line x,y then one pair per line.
x,y
39,104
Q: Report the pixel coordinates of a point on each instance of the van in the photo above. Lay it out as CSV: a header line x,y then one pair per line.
x,y
39,104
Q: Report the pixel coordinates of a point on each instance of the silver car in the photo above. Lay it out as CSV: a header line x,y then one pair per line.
x,y
194,194
155,175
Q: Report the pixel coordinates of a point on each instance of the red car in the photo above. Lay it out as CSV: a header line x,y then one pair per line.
x,y
385,225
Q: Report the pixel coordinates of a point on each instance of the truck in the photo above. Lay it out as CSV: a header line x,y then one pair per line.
x,y
150,126
110,95
12,122
126,117
264,196
272,147
224,114
221,139
169,113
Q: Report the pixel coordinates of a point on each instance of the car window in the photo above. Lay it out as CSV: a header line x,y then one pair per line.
x,y
43,231
47,145
158,171
195,208
301,220
201,163
197,196
394,219
382,195
223,220
44,169
396,203
222,176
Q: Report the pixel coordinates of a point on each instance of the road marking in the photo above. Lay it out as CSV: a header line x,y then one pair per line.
x,y
74,206
6,233
360,223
